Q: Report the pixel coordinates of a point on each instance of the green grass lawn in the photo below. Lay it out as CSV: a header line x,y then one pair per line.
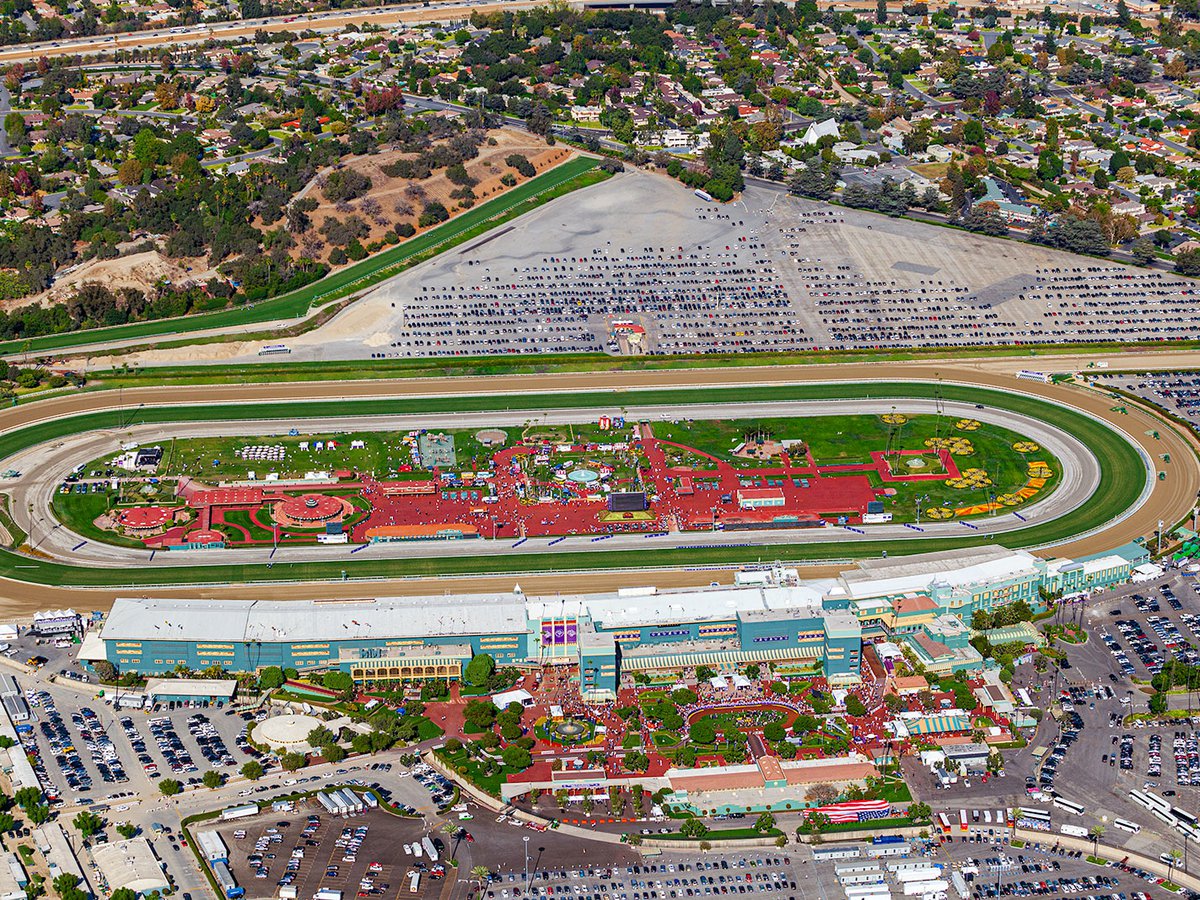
x,y
242,519
383,454
16,537
1121,482
571,175
78,512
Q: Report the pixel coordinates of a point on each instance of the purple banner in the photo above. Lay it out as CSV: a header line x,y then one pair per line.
x,y
559,632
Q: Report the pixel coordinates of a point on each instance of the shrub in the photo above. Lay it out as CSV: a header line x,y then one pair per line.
x,y
519,162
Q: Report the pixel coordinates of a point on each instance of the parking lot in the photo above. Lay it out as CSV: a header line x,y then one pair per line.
x,y
1176,392
88,752
1044,869
1088,749
369,855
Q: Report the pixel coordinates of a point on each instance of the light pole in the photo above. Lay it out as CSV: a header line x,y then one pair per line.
x,y
526,842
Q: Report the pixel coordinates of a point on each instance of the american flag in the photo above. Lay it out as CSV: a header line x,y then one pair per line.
x,y
854,811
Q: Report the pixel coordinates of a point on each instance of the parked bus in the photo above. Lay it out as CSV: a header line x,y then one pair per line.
x,y
1188,832
962,821
1185,817
1035,815
1165,818
1125,825
1140,799
1150,801
414,882
274,349
944,821
1067,806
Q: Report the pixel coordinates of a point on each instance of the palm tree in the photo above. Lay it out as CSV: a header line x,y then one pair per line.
x,y
1175,856
482,874
1095,833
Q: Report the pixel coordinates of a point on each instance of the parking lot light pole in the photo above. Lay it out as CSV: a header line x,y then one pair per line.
x,y
526,841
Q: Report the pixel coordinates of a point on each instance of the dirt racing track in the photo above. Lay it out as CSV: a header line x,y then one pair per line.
x,y
1110,492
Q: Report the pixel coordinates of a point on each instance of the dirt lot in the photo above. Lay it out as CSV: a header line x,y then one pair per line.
x,y
488,167
137,270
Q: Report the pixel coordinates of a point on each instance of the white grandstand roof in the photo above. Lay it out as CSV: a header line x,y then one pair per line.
x,y
920,573
700,604
271,621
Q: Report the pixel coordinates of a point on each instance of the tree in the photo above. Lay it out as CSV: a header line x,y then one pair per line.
x,y
1143,252
27,797
212,779
7,823
1188,262
293,761
516,757
920,812
973,132
482,874
338,681
703,731
66,886
855,706
38,814
1158,703
479,670
127,830
1174,853
88,824
123,893
270,678
693,828
253,770
130,172
169,787
1049,166
320,737
764,823
636,761
480,714
333,753
1095,833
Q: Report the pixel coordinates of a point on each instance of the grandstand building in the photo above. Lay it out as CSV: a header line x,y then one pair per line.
x,y
923,603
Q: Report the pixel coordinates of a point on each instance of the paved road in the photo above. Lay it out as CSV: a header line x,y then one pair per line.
x,y
1170,500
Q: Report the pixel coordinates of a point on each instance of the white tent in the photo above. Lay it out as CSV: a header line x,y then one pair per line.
x,y
520,696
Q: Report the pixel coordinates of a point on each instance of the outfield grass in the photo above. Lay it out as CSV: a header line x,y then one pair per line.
x,y
1121,482
575,173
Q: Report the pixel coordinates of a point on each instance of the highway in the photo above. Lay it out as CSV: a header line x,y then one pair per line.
x,y
1169,500
242,28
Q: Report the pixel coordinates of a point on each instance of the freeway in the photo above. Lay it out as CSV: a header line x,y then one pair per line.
x,y
335,20
1169,500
